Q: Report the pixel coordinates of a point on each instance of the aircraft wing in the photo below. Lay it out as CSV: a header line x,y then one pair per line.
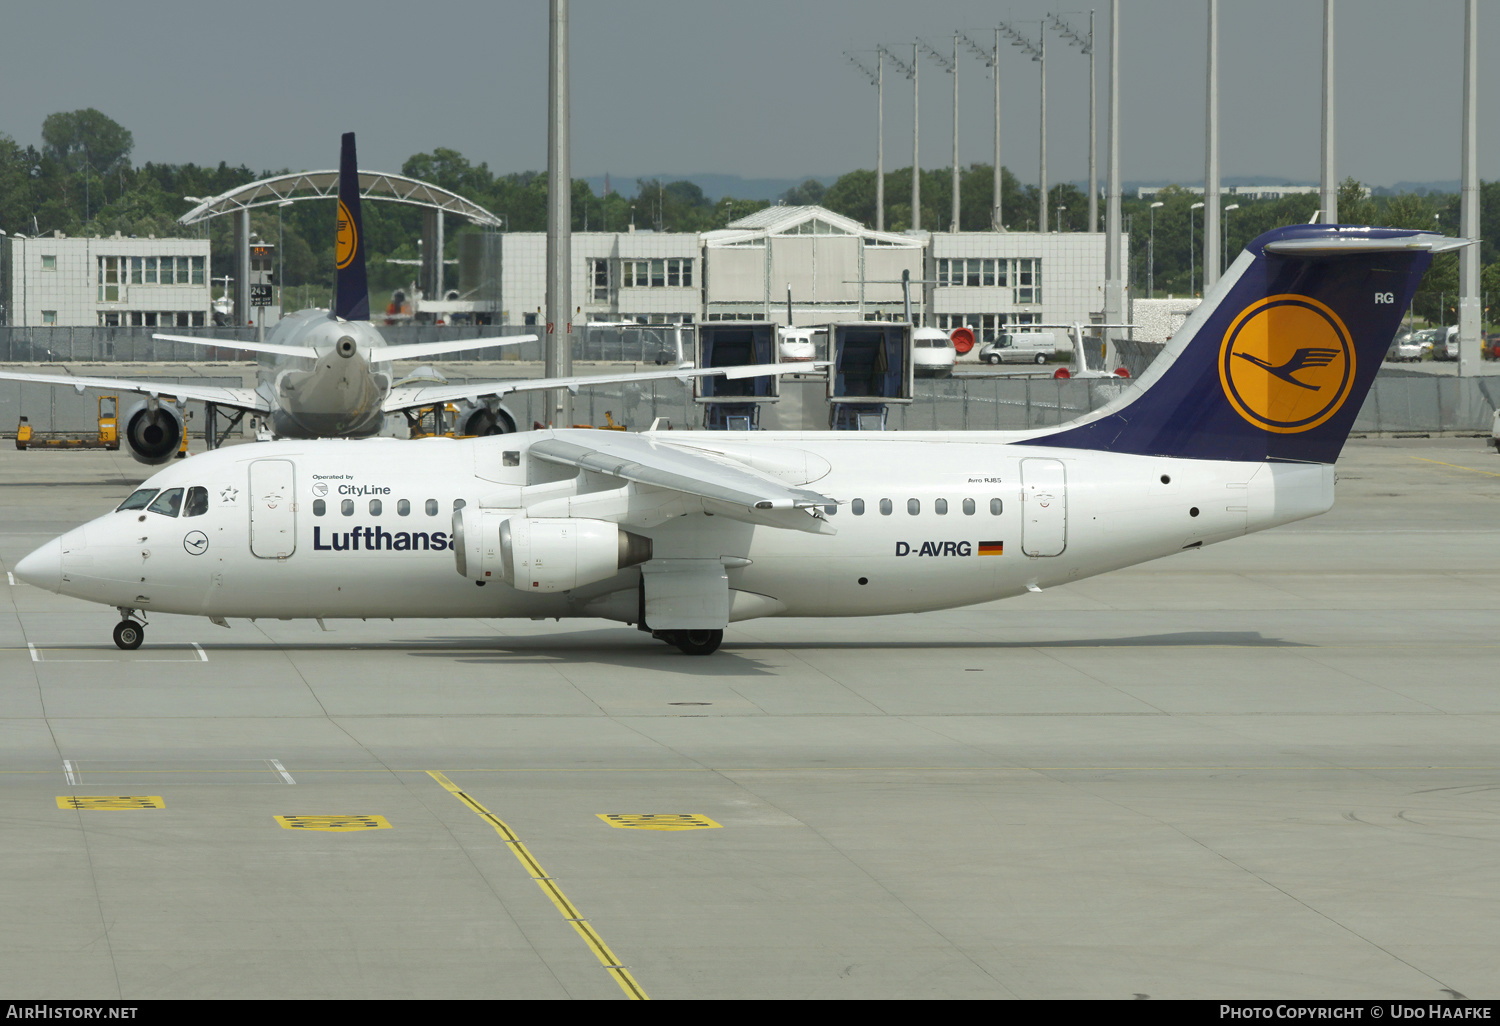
x,y
732,490
415,396
238,398
417,350
306,352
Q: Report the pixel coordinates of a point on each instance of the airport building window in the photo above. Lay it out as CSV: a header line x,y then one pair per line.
x,y
940,507
197,502
347,507
968,507
111,276
168,503
138,499
49,316
432,507
599,272
676,272
319,507
1027,275
996,507
375,507
857,507
885,507
403,508
49,262
974,272
913,506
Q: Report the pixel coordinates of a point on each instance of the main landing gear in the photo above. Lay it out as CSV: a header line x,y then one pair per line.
x,y
129,632
692,642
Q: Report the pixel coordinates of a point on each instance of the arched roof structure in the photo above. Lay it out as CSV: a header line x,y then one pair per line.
x,y
308,185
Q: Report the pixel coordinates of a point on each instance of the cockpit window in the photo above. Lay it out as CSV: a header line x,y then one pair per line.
x,y
197,502
138,499
168,503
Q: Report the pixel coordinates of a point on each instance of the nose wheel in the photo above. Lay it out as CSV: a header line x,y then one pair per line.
x,y
129,632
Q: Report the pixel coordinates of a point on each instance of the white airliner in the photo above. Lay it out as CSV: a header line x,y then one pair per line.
x,y
1234,428
326,374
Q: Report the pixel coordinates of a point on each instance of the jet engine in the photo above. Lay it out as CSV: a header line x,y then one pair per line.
x,y
153,436
542,555
482,420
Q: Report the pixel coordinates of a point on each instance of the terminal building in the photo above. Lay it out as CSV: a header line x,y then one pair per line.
x,y
57,281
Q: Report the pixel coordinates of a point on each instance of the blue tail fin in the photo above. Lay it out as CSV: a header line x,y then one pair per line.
x,y
1277,361
351,291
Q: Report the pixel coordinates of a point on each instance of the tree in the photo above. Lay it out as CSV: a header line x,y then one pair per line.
x,y
74,137
809,194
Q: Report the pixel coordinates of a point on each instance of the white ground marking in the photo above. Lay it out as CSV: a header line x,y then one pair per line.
x,y
279,768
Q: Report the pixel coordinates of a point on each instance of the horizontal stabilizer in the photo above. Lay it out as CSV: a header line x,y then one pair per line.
x,y
306,352
417,350
238,398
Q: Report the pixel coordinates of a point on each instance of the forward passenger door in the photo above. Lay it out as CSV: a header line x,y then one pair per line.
x,y
273,513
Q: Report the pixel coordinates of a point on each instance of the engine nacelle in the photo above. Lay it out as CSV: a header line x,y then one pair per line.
x,y
481,420
152,438
542,555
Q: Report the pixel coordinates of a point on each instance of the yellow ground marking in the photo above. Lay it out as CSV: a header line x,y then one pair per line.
x,y
549,887
1456,466
658,820
81,801
333,824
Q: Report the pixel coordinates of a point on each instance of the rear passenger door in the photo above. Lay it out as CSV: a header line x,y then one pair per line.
x,y
273,514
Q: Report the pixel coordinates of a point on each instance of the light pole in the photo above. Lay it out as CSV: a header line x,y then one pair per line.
x,y
992,61
877,77
1151,254
280,260
952,68
1086,44
1224,260
1192,258
1038,52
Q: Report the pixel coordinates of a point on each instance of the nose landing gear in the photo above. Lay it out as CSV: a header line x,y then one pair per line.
x,y
129,632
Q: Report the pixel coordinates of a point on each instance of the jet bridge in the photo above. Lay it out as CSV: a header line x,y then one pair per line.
x,y
735,404
872,369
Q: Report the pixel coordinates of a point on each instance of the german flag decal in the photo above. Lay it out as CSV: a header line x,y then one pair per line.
x,y
992,548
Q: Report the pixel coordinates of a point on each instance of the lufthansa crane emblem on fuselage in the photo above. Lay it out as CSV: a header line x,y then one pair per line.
x,y
196,543
1287,364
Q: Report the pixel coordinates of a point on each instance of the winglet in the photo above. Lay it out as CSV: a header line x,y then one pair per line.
x,y
351,299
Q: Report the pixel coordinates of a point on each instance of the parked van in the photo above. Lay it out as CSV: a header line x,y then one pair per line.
x,y
1025,347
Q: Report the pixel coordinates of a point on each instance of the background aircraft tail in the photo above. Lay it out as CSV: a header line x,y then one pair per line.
x,y
1276,362
351,290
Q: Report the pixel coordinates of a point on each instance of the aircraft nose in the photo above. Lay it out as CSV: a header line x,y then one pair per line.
x,y
43,568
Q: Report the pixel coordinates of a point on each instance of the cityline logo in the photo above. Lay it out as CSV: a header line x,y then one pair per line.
x,y
1287,364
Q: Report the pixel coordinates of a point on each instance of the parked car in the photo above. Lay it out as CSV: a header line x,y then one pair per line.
x,y
932,353
1025,347
1449,349
1410,346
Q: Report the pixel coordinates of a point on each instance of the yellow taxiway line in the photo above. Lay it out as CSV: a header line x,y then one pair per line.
x,y
1457,466
549,887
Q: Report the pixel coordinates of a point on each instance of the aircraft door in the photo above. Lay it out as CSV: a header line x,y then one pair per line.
x,y
273,514
1044,507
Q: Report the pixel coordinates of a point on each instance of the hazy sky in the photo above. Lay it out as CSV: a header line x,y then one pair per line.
x,y
757,89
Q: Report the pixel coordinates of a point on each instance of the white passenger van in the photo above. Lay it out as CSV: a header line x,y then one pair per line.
x,y
1026,347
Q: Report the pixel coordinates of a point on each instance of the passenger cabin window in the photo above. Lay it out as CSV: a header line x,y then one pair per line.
x,y
319,507
347,507
913,506
139,499
375,507
885,507
403,508
968,507
940,507
432,507
168,503
197,502
996,506
830,509
459,504
857,507
512,458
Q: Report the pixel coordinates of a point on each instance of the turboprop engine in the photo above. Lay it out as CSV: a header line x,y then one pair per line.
x,y
542,554
153,436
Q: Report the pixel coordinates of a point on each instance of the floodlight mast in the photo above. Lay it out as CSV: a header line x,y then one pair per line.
x,y
910,71
878,78
1038,52
1086,44
992,61
951,67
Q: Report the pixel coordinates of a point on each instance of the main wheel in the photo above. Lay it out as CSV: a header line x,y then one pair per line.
x,y
129,634
994,360
1041,357
699,642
